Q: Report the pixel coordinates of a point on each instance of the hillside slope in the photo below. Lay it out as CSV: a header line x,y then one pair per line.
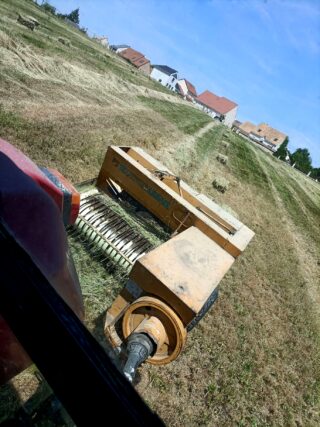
x,y
254,359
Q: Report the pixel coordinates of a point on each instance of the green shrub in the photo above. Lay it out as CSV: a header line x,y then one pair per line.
x,y
48,7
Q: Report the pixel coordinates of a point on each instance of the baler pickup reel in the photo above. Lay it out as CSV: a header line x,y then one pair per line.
x,y
169,287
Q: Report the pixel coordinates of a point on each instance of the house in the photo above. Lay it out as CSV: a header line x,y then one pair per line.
x,y
186,89
236,125
217,107
117,48
137,59
262,134
165,75
142,64
102,40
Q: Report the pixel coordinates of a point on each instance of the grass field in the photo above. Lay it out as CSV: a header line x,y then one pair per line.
x,y
186,118
254,360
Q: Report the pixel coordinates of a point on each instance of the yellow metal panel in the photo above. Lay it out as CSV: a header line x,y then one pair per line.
x,y
164,202
184,271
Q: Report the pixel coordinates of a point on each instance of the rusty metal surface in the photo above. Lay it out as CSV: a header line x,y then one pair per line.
x,y
133,171
164,324
183,271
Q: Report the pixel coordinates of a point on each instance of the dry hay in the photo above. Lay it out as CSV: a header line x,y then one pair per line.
x,y
225,145
220,184
222,158
29,23
64,41
253,359
17,56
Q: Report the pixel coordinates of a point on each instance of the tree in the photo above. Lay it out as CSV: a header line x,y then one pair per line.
x,y
282,151
48,7
315,173
301,157
74,16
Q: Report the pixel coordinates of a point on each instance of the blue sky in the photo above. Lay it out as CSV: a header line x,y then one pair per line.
x,y
264,55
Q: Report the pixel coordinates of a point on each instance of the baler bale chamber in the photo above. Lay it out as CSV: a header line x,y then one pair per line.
x,y
167,244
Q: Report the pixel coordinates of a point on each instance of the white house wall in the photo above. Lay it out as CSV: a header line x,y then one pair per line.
x,y
172,83
230,117
258,140
199,106
207,110
183,86
202,107
164,79
159,76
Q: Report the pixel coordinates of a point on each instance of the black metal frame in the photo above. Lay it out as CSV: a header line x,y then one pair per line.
x,y
77,368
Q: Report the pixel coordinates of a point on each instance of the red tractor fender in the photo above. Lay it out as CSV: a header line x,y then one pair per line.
x,y
32,210
53,183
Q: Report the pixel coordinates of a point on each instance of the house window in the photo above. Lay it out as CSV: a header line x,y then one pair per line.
x,y
259,130
275,139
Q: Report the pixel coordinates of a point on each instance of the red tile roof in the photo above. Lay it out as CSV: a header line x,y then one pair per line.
x,y
219,104
131,54
265,131
191,88
140,61
136,58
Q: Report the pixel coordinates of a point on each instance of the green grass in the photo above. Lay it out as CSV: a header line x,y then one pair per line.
x,y
11,122
254,359
187,119
83,50
210,142
297,203
244,164
100,282
45,137
305,199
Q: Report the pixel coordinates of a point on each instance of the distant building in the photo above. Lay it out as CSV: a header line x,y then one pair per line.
x,y
117,48
236,125
72,23
137,59
262,134
102,40
186,89
217,107
165,75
